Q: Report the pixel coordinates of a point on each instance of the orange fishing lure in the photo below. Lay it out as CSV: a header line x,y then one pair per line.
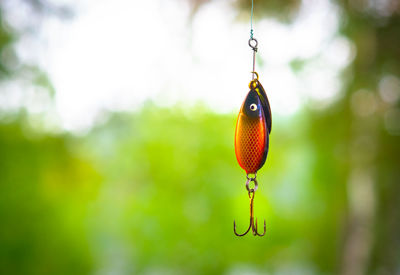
x,y
253,128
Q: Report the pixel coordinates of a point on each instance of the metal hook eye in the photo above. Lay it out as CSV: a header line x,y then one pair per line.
x,y
256,74
253,45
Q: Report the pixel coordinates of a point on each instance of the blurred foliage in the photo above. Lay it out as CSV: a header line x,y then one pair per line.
x,y
44,190
284,11
6,39
124,200
157,191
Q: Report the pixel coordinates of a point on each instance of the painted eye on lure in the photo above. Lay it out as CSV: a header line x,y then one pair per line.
x,y
252,136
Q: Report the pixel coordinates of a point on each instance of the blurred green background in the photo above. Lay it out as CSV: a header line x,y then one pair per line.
x,y
155,190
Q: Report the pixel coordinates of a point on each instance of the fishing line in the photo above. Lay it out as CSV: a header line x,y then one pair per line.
x,y
251,19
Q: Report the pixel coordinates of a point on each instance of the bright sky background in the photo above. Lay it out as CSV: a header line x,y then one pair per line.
x,y
116,54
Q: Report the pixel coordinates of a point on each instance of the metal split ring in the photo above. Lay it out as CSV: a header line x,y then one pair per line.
x,y
251,190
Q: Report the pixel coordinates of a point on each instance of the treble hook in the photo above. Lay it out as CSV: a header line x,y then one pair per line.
x,y
252,225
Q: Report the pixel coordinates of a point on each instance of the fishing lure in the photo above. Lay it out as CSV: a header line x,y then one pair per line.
x,y
252,136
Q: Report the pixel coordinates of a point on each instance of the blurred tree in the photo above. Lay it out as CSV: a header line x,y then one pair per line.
x,y
11,66
370,244
6,38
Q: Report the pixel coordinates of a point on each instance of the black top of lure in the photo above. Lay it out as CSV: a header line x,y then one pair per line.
x,y
256,85
253,105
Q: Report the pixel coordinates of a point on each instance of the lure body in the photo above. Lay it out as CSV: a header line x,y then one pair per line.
x,y
252,130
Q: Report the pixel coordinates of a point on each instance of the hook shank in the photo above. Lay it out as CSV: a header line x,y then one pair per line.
x,y
253,43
